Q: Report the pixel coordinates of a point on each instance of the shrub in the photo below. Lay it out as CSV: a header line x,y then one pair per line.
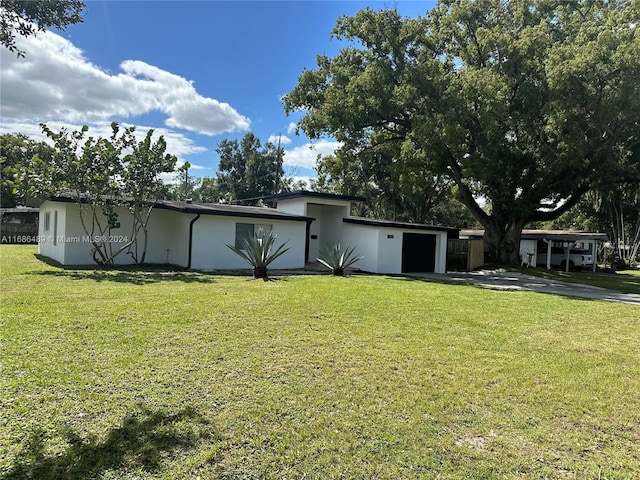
x,y
257,252
336,259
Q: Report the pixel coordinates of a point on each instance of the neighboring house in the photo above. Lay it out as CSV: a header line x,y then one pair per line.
x,y
538,247
194,236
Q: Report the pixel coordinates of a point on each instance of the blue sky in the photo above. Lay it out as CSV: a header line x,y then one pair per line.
x,y
195,71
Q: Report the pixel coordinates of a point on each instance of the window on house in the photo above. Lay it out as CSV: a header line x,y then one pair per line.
x,y
244,230
47,221
55,227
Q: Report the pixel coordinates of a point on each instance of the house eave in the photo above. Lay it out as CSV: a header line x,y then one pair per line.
x,y
211,209
399,225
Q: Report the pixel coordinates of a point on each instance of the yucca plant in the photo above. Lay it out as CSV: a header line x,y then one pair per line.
x,y
336,259
257,252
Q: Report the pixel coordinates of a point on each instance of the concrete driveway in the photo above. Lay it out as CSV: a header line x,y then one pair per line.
x,y
497,280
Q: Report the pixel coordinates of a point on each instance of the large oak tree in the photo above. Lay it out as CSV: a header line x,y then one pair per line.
x,y
525,105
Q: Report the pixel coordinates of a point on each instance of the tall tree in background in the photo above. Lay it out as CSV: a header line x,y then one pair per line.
x,y
186,186
247,170
27,17
525,104
17,154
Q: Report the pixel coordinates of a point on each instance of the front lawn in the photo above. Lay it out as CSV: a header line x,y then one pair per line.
x,y
134,375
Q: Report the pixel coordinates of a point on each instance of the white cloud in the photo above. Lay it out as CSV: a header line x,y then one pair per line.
x,y
284,140
177,143
56,82
306,155
291,129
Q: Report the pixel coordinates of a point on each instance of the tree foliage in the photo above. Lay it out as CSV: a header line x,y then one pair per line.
x,y
102,174
186,186
27,17
247,170
527,104
17,154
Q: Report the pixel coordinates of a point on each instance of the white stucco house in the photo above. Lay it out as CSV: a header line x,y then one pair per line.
x,y
195,236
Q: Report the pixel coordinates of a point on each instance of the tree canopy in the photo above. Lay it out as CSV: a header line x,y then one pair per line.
x,y
17,154
247,170
525,105
27,17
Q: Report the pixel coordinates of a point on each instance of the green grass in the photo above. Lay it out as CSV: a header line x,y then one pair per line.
x,y
627,281
135,375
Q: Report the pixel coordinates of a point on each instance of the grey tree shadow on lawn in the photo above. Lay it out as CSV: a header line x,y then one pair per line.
x,y
124,274
140,442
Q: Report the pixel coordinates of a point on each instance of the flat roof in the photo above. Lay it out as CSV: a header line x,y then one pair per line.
x,y
219,209
546,234
402,225
229,210
306,193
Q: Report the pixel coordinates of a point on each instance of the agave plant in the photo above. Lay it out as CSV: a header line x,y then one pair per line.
x,y
336,259
257,252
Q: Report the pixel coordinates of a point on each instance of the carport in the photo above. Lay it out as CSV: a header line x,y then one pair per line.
x,y
568,240
565,238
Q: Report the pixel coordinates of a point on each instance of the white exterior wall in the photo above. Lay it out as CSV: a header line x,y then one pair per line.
x,y
441,252
327,214
299,205
48,244
383,254
212,234
168,240
168,236
365,241
332,229
296,206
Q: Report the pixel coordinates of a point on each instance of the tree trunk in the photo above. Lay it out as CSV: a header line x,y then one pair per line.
x,y
502,230
503,241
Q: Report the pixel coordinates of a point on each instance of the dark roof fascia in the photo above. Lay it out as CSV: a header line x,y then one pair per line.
x,y
19,209
399,225
212,210
542,235
224,211
72,199
305,193
565,236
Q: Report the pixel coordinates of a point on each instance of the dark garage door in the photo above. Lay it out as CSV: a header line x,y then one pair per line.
x,y
418,253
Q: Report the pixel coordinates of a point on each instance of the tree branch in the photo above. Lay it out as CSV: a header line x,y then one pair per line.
x,y
571,202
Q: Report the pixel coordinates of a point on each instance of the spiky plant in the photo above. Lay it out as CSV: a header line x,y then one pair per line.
x,y
257,252
336,259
